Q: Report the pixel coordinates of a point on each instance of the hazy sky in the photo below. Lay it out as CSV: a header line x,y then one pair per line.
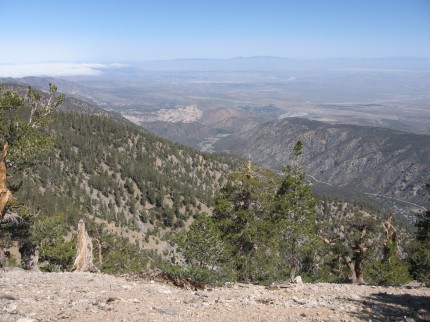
x,y
91,31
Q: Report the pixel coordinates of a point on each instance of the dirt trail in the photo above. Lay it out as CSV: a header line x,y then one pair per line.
x,y
27,296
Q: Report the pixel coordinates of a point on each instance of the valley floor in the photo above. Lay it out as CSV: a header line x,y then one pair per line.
x,y
34,296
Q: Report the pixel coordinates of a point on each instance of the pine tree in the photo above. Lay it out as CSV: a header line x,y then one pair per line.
x,y
240,213
420,247
23,137
294,212
207,257
49,232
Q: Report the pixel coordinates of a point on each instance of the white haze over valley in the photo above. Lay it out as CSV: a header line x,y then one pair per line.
x,y
55,69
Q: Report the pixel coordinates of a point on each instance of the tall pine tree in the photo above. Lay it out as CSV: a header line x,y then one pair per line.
x,y
420,247
240,213
294,211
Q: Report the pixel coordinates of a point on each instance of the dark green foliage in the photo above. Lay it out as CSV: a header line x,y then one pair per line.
x,y
105,168
269,223
19,232
24,136
419,249
292,218
294,211
390,271
23,124
352,234
49,233
207,257
357,243
121,256
241,214
420,261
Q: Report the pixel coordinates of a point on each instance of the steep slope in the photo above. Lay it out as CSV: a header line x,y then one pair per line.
x,y
122,176
124,179
132,189
373,160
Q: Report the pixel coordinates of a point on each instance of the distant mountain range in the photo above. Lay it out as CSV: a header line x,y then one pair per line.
x,y
369,159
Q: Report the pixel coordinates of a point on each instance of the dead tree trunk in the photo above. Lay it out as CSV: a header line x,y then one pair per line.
x,y
293,261
5,194
84,256
100,249
356,262
351,265
360,255
29,256
390,243
359,271
2,258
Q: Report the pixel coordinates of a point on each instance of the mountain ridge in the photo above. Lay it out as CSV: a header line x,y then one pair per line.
x,y
371,159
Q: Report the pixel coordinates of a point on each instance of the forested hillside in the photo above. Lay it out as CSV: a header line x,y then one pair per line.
x,y
121,175
130,187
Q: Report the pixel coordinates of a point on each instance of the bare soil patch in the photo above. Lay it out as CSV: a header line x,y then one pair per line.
x,y
35,296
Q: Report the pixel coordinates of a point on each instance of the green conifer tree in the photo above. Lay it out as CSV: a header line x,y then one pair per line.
x,y
294,211
207,257
419,249
23,137
241,212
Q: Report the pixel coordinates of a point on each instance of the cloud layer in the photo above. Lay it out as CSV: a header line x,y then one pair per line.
x,y
54,69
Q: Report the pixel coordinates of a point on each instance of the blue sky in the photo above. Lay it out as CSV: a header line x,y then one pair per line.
x,y
124,31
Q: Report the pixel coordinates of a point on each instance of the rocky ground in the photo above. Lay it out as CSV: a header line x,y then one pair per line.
x,y
35,296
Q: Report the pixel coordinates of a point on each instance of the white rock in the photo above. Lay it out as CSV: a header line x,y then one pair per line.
x,y
298,280
11,309
164,290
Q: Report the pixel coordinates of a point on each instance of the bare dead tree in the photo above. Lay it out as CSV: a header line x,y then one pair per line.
x,y
357,244
84,256
5,193
390,237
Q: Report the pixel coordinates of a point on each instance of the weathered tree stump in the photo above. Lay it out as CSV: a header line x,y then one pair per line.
x,y
29,256
84,256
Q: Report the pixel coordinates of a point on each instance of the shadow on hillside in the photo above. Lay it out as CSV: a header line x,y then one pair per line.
x,y
394,307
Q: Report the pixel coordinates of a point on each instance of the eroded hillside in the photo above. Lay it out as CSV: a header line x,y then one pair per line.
x,y
373,160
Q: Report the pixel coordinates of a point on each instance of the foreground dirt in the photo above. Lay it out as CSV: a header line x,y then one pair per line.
x,y
31,296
